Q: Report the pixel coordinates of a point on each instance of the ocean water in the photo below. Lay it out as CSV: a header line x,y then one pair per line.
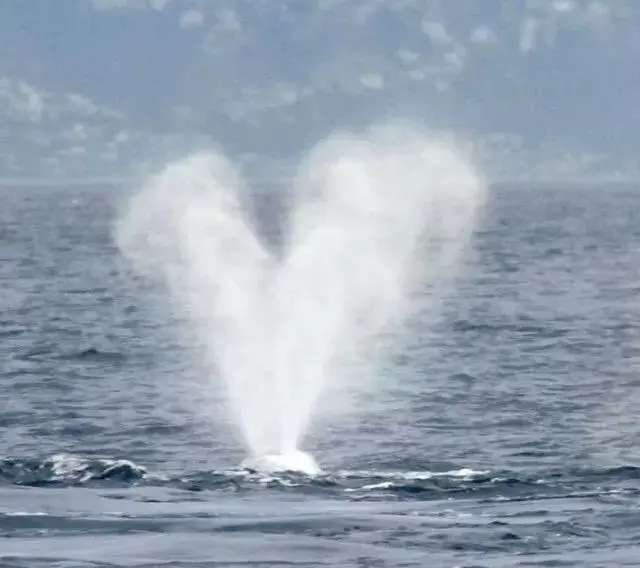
x,y
504,433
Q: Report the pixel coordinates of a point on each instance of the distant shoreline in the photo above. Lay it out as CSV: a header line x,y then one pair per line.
x,y
56,182
8,183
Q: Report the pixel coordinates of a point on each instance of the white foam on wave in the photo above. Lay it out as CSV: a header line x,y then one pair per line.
x,y
296,461
464,473
398,479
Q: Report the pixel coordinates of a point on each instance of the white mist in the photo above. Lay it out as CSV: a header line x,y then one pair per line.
x,y
373,214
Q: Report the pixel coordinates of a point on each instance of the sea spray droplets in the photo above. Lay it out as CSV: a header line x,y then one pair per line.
x,y
187,226
279,333
363,203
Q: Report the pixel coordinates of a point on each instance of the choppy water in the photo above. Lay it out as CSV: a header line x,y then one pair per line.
x,y
509,438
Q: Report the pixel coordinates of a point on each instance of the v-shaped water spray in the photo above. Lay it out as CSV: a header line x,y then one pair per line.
x,y
278,330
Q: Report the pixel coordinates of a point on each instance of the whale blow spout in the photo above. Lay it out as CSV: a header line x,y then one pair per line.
x,y
296,462
374,218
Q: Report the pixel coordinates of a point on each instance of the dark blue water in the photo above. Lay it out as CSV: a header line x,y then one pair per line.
x,y
508,434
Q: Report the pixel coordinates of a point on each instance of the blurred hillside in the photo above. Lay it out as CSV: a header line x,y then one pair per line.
x,y
543,88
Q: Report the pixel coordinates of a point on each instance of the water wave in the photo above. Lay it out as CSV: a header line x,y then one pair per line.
x,y
67,470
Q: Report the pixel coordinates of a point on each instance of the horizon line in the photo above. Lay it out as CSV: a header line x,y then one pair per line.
x,y
76,181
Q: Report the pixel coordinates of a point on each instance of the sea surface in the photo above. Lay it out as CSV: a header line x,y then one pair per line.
x,y
504,432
